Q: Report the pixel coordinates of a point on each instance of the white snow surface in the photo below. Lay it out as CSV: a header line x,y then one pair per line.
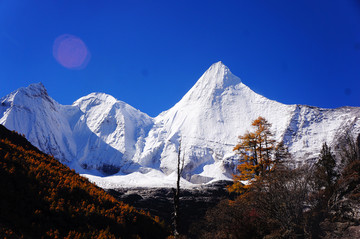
x,y
116,145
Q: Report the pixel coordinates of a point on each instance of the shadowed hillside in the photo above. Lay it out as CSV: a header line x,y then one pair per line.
x,y
41,198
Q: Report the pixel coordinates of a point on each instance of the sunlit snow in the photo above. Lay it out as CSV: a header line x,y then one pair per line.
x,y
116,145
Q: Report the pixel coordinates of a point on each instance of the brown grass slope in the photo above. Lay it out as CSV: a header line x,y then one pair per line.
x,y
42,198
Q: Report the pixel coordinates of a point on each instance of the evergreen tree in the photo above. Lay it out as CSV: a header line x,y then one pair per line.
x,y
281,153
325,167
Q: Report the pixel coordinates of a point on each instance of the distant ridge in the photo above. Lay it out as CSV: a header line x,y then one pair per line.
x,y
99,135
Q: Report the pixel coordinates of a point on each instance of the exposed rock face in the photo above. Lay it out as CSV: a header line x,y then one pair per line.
x,y
159,201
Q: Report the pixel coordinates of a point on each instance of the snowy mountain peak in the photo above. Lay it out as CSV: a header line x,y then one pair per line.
x,y
35,90
220,76
94,99
25,96
212,84
103,97
100,135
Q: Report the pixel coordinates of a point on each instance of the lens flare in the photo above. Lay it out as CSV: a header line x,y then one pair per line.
x,y
71,52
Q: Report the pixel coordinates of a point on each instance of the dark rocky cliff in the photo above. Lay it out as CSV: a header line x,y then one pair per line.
x,y
159,201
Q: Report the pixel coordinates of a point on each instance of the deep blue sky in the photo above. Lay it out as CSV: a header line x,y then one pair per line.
x,y
150,53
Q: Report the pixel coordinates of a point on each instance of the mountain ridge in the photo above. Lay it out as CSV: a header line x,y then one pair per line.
x,y
102,135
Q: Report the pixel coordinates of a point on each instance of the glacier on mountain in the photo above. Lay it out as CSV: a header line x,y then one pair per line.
x,y
100,136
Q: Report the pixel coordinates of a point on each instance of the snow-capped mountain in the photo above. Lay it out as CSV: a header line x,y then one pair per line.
x,y
31,112
99,134
209,118
108,132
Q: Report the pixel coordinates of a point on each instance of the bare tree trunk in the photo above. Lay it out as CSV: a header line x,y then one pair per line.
x,y
176,192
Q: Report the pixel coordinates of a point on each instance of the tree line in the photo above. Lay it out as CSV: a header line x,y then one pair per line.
x,y
278,198
42,198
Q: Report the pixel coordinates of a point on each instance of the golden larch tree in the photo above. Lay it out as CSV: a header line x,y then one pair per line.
x,y
256,150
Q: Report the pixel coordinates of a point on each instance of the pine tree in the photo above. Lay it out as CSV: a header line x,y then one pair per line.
x,y
281,153
325,167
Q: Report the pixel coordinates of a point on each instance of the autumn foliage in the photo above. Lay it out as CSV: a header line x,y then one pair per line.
x,y
257,155
279,198
41,198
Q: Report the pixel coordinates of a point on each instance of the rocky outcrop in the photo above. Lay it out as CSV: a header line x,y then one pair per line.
x,y
159,201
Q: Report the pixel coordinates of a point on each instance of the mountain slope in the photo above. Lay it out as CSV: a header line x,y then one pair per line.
x,y
99,135
32,112
42,198
109,130
311,126
209,119
97,132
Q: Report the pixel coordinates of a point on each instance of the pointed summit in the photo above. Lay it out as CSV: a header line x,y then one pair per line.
x,y
217,79
23,96
36,89
217,65
219,76
38,85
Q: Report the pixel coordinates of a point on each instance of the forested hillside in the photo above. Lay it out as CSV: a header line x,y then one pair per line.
x,y
278,198
41,198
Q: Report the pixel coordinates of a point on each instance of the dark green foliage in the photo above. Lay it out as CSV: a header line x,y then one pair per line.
x,y
348,184
281,153
325,168
349,149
